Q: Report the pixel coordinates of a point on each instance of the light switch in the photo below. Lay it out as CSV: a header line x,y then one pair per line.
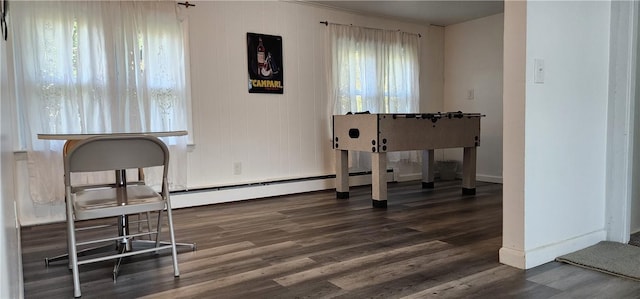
x,y
538,74
470,94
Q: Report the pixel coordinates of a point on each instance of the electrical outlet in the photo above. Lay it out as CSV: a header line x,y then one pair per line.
x,y
237,168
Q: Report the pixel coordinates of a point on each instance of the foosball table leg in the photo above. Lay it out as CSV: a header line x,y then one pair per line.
x,y
469,171
342,174
379,179
427,169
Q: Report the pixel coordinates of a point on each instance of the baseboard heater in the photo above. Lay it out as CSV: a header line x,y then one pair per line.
x,y
273,182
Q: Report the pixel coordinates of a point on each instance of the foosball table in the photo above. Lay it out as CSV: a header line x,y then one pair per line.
x,y
382,133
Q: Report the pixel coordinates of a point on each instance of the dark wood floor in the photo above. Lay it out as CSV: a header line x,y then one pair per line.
x,y
426,244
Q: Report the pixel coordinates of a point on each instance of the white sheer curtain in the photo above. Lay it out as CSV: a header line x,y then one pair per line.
x,y
96,67
376,71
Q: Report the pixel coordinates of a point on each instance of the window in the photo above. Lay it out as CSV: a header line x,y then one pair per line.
x,y
95,67
100,67
374,70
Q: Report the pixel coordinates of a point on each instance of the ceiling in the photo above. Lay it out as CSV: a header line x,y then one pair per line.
x,y
427,12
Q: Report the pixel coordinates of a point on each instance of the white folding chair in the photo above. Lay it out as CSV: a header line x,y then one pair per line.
x,y
83,202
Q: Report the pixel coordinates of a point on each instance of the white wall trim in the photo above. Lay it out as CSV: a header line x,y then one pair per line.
x,y
403,177
207,197
199,198
416,176
541,255
489,178
513,144
620,119
512,257
548,253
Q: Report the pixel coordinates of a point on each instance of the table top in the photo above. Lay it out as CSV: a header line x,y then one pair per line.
x,y
85,136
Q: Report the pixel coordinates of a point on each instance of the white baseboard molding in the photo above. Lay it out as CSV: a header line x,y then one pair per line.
x,y
409,177
512,257
544,254
484,178
213,196
479,177
489,178
207,197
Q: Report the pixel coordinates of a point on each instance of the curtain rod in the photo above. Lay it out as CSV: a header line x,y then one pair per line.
x,y
186,4
326,23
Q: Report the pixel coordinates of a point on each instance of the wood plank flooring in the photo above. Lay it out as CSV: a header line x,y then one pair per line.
x,y
426,244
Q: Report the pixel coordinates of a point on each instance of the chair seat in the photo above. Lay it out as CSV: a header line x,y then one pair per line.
x,y
109,202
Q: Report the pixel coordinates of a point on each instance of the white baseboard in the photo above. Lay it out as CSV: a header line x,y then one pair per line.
x,y
484,178
512,257
489,178
408,177
213,196
479,177
544,254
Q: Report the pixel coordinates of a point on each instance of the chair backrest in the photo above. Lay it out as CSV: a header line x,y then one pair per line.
x,y
113,152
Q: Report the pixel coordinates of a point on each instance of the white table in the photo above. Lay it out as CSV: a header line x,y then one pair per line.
x,y
80,136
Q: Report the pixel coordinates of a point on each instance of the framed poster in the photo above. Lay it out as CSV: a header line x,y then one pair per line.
x,y
264,57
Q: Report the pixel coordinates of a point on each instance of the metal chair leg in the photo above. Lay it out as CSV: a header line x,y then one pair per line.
x,y
116,266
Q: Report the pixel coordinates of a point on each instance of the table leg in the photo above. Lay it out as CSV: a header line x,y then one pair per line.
x,y
379,179
469,171
123,220
427,169
342,174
